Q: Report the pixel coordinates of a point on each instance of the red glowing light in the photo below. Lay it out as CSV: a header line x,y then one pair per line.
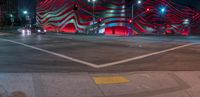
x,y
148,9
130,21
100,20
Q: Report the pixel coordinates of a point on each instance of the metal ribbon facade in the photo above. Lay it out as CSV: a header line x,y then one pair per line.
x,y
116,16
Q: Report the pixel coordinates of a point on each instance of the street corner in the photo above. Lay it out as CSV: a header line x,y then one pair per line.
x,y
11,85
141,84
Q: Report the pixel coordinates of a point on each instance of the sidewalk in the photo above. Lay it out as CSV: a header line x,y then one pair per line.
x,y
137,84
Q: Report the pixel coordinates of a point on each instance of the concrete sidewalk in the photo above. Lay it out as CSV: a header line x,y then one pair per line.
x,y
140,84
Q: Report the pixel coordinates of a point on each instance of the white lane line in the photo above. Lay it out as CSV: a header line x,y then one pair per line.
x,y
53,53
143,56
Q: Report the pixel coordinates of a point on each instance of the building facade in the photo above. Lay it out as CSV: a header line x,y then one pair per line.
x,y
117,17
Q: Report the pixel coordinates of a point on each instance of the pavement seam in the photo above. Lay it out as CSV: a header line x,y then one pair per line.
x,y
189,93
5,92
91,77
38,85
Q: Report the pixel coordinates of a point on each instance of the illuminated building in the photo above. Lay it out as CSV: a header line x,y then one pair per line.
x,y
162,17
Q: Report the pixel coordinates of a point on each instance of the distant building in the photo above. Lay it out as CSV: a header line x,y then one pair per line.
x,y
118,17
12,11
7,7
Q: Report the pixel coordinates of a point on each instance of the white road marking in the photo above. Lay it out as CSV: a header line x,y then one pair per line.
x,y
53,53
100,65
143,56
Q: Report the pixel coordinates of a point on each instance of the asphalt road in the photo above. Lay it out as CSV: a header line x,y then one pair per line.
x,y
79,53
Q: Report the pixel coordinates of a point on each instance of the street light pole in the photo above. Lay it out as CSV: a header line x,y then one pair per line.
x,y
12,20
93,1
27,18
132,11
93,14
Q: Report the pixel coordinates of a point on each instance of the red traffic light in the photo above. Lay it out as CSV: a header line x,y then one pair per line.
x,y
100,20
148,9
130,21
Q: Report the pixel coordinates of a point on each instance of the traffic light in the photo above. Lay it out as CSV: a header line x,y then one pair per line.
x,y
148,9
100,20
130,21
75,7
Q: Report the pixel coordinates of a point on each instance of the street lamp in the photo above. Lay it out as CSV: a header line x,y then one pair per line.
x,y
93,2
162,10
11,16
12,19
130,21
138,3
25,12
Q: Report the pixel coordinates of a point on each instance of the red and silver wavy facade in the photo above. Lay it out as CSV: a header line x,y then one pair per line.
x,y
115,15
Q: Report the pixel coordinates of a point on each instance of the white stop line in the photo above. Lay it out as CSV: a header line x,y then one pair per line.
x,y
100,65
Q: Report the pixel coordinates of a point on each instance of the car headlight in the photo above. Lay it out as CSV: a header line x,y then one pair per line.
x,y
45,30
38,30
23,31
29,31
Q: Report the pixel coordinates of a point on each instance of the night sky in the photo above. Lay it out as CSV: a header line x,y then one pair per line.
x,y
29,5
190,3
